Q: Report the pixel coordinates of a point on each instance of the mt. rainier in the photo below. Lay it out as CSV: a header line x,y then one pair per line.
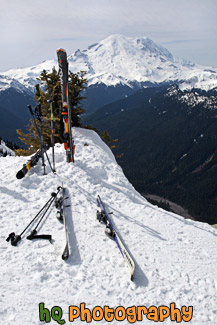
x,y
123,60
120,60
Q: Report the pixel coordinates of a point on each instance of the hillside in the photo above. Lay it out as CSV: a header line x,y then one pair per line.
x,y
167,145
175,258
14,113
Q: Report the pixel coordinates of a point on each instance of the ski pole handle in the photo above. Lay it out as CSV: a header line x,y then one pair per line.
x,y
30,109
37,90
14,239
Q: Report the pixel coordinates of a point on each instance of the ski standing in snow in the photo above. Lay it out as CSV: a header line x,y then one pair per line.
x,y
66,109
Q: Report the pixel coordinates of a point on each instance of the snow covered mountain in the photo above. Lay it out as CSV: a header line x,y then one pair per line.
x,y
175,257
120,60
5,151
129,61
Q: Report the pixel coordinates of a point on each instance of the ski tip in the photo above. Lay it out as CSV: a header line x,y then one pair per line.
x,y
20,175
61,50
65,257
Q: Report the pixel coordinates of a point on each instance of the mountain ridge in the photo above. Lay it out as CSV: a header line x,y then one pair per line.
x,y
167,144
124,60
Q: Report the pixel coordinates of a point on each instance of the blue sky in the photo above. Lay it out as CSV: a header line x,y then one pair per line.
x,y
32,30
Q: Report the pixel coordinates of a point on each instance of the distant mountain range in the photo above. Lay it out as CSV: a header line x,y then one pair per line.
x,y
120,60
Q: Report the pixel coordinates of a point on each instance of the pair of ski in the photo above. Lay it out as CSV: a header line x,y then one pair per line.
x,y
66,109
112,233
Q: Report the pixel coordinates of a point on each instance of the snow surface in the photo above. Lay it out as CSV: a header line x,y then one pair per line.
x,y
192,98
175,258
123,60
25,77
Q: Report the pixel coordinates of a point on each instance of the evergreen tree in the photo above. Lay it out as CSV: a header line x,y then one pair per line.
x,y
107,139
51,93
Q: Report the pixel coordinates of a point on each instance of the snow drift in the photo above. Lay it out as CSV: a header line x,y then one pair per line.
x,y
175,258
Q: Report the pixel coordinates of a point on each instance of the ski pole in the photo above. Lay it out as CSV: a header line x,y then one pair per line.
x,y
42,146
31,112
16,238
53,170
52,132
39,130
41,137
34,232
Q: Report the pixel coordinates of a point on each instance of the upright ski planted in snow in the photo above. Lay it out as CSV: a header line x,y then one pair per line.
x,y
103,216
66,110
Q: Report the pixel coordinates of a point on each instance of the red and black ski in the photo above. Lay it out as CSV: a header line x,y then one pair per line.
x,y
66,110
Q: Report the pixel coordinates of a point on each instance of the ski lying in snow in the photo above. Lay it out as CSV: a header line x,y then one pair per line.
x,y
61,215
31,163
111,232
66,109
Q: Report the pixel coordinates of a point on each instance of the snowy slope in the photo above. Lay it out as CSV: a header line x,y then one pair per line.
x,y
24,78
124,60
7,82
175,258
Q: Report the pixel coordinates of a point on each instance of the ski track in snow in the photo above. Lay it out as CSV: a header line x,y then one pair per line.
x,y
175,258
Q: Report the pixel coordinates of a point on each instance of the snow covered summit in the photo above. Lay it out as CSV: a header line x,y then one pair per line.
x,y
127,61
119,59
175,258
